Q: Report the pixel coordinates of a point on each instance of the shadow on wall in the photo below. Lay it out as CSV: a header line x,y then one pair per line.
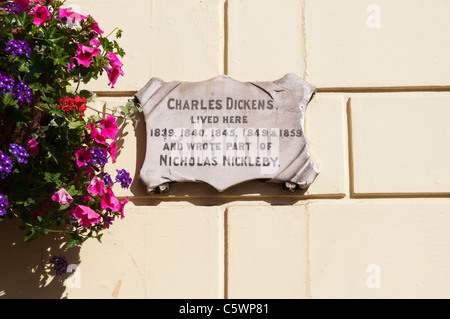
x,y
137,187
25,271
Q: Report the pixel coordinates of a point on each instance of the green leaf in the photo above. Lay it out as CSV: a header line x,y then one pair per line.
x,y
72,242
106,44
48,177
29,202
86,94
24,68
7,98
52,178
54,36
75,124
21,19
73,191
124,109
70,89
53,123
30,235
99,238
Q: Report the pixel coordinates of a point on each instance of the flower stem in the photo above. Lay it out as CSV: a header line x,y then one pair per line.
x,y
79,80
105,113
46,229
112,32
42,253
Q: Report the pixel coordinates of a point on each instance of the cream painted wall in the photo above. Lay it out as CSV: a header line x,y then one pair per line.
x,y
374,224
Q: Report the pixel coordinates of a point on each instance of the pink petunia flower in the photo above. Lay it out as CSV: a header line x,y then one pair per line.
x,y
40,14
113,75
114,60
95,134
112,150
88,170
85,54
114,70
95,43
96,186
87,198
83,156
122,206
94,27
109,127
86,216
110,201
62,196
33,147
70,15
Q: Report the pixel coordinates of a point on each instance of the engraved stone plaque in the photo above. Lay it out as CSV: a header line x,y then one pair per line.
x,y
223,132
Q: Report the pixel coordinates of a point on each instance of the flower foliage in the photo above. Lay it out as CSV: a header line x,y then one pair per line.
x,y
52,155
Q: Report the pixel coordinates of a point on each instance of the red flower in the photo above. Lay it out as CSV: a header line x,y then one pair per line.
x,y
69,104
80,103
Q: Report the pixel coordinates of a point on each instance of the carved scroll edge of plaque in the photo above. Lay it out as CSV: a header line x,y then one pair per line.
x,y
308,172
297,95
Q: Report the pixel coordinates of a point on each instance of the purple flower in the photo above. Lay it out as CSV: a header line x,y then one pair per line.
x,y
6,165
6,83
60,264
99,157
24,4
3,204
106,178
17,6
123,177
18,47
19,152
14,8
22,92
19,89
108,222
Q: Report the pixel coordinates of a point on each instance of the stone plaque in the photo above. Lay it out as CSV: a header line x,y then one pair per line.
x,y
224,132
